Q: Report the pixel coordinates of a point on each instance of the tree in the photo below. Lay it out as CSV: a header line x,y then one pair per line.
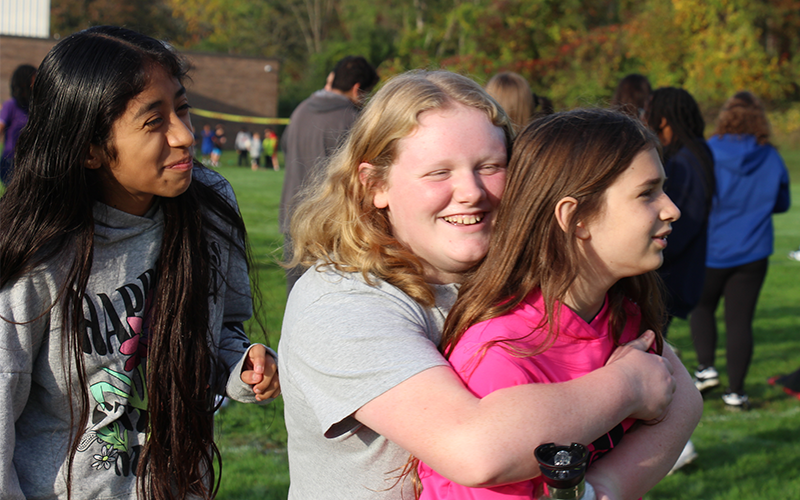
x,y
153,17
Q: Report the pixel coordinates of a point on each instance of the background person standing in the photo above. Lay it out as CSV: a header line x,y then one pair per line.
x,y
315,129
752,184
14,116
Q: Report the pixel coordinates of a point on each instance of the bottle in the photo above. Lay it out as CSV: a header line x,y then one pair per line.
x,y
563,470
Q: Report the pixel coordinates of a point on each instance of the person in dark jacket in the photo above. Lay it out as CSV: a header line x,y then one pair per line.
x,y
675,116
315,129
752,184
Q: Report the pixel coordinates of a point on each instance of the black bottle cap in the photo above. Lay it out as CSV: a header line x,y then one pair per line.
x,y
558,472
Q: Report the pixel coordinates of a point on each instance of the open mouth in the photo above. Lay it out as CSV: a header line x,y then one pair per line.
x,y
464,220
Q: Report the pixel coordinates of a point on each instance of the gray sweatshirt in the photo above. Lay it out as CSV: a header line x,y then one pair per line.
x,y
34,394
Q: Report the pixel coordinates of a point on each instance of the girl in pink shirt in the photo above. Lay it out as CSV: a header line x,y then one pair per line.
x,y
569,275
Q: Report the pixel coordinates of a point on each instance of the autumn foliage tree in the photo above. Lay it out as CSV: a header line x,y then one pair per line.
x,y
573,51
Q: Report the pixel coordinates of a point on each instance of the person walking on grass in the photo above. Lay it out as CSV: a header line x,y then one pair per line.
x,y
255,148
270,147
315,130
241,143
752,185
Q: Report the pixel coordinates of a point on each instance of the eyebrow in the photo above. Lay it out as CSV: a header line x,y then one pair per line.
x,y
653,182
153,105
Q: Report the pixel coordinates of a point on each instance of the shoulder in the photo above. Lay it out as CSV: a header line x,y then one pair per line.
x,y
344,304
321,286
522,327
29,295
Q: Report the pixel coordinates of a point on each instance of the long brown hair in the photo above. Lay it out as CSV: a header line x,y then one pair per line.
x,y
84,85
579,154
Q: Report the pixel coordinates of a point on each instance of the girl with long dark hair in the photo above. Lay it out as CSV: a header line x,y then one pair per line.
x,y
675,116
123,284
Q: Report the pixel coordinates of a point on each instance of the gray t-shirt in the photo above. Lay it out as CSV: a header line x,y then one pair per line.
x,y
343,343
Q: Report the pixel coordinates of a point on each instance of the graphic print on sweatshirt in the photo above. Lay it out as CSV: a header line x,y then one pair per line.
x,y
116,330
115,348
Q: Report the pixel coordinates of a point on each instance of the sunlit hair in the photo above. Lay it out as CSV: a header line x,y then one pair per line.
x,y
631,95
514,94
83,86
579,154
744,114
337,224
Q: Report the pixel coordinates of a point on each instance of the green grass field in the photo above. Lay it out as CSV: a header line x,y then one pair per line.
x,y
742,455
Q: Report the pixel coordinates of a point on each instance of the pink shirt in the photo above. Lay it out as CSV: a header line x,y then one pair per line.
x,y
579,349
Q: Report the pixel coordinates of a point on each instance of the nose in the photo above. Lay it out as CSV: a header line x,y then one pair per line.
x,y
469,188
180,132
670,212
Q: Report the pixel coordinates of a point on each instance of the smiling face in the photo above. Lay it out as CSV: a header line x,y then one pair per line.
x,y
443,190
628,236
153,143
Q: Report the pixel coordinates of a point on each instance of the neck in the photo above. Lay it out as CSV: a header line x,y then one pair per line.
x,y
350,94
586,304
587,294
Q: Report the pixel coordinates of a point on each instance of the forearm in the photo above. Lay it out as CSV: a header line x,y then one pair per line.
x,y
491,441
648,453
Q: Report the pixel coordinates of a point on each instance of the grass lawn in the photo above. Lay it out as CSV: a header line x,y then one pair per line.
x,y
742,455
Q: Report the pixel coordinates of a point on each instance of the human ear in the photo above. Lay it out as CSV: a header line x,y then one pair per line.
x,y
366,172
564,212
93,158
565,208
665,132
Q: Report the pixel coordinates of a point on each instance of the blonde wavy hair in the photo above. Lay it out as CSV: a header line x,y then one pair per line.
x,y
336,225
744,114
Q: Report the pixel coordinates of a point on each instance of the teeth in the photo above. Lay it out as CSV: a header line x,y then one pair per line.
x,y
464,219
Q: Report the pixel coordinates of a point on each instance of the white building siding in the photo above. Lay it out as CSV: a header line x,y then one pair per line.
x,y
25,18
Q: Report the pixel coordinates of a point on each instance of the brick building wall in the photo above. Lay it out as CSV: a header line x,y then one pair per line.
x,y
227,84
16,50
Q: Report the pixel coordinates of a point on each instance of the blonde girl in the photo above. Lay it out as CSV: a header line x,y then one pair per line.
x,y
404,209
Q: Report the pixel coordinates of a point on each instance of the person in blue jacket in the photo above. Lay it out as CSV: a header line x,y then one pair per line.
x,y
752,184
